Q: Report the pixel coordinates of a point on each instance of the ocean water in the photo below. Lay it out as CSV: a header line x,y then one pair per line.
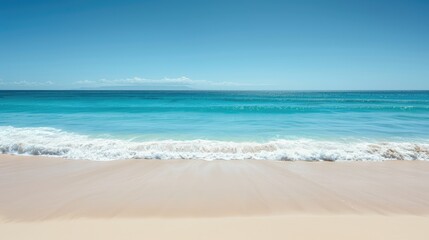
x,y
216,125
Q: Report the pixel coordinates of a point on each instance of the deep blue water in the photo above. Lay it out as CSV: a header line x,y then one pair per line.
x,y
221,115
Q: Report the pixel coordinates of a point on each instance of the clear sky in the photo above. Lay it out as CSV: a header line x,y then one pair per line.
x,y
282,45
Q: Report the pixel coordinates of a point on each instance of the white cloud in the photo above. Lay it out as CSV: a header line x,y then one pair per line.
x,y
26,83
138,81
162,83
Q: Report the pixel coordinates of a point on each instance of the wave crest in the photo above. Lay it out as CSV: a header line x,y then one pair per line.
x,y
55,142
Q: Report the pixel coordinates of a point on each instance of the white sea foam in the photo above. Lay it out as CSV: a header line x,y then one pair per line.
x,y
55,142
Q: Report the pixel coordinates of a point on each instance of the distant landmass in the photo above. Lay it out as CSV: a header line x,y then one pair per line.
x,y
145,87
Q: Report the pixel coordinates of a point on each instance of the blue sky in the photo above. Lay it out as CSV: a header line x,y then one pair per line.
x,y
282,45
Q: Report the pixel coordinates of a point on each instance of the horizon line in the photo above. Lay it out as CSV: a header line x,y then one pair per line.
x,y
224,90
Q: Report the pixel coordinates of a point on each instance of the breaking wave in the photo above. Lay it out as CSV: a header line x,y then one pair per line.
x,y
55,142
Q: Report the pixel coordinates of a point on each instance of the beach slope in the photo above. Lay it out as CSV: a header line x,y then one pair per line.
x,y
50,198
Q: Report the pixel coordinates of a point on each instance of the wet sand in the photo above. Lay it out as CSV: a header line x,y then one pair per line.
x,y
241,199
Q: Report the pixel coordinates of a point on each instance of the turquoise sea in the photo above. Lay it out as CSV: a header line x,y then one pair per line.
x,y
212,125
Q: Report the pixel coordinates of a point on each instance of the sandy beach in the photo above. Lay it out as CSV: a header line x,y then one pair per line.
x,y
51,198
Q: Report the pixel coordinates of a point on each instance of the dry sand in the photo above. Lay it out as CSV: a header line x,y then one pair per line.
x,y
52,198
247,228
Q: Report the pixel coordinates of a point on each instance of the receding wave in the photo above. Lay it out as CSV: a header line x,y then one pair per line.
x,y
55,142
